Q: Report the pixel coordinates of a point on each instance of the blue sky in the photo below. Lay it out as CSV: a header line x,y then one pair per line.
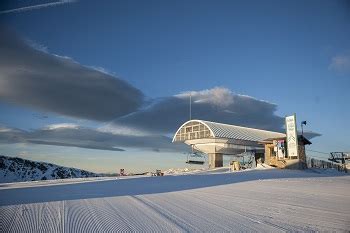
x,y
294,54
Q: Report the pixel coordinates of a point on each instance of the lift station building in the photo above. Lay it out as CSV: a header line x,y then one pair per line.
x,y
217,140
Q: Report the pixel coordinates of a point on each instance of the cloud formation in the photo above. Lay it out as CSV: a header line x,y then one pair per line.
x,y
165,115
72,135
75,136
34,7
47,82
145,129
340,63
35,78
11,135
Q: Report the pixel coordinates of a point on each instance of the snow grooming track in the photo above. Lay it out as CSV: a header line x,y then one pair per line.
x,y
110,217
287,201
80,217
208,217
190,212
8,215
180,224
248,217
291,211
158,222
135,217
30,218
263,218
245,221
51,218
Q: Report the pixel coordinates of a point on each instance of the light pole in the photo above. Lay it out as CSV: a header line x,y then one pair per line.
x,y
302,129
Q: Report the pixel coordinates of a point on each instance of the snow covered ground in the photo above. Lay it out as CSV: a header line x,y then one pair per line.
x,y
14,169
265,200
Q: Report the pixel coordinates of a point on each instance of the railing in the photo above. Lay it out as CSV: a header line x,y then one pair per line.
x,y
318,163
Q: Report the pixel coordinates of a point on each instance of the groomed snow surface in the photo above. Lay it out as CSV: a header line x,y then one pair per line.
x,y
267,200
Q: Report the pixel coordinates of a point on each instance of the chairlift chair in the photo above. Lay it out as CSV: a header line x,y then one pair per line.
x,y
194,154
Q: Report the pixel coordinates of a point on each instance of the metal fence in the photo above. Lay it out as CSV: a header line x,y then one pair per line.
x,y
318,163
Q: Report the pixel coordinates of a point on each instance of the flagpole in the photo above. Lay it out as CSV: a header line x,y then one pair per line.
x,y
190,106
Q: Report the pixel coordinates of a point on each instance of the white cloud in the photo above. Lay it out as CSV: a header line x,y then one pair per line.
x,y
165,115
62,126
5,130
23,153
34,7
37,46
102,70
121,130
218,96
340,63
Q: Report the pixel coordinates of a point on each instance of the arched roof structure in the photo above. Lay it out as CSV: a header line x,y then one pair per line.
x,y
199,129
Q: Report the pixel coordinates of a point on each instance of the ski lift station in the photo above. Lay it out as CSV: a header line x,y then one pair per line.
x,y
216,140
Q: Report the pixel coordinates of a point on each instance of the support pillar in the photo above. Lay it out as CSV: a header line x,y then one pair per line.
x,y
215,160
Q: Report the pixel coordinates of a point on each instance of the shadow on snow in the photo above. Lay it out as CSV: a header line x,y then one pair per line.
x,y
139,186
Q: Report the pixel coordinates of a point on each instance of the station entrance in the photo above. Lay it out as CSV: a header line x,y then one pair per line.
x,y
217,140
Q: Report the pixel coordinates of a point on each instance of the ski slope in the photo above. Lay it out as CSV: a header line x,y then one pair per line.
x,y
251,201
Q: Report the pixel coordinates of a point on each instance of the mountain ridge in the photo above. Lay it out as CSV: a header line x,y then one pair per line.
x,y
14,169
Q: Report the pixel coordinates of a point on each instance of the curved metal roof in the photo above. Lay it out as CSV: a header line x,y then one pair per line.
x,y
219,130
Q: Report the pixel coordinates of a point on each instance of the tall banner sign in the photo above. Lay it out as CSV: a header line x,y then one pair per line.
x,y
292,137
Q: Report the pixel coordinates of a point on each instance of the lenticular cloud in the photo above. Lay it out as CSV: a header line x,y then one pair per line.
x,y
219,104
52,83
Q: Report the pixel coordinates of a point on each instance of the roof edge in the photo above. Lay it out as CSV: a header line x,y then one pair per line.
x,y
194,120
241,126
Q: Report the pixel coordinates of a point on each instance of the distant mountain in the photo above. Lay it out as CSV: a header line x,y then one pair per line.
x,y
16,170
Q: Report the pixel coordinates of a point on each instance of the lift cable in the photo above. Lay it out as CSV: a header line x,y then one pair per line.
x,y
318,152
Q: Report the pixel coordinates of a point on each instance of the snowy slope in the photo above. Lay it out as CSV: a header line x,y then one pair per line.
x,y
268,200
17,169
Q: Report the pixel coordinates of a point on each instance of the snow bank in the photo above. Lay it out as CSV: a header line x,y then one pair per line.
x,y
178,171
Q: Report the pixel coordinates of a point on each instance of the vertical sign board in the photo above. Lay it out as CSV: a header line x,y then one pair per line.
x,y
292,137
